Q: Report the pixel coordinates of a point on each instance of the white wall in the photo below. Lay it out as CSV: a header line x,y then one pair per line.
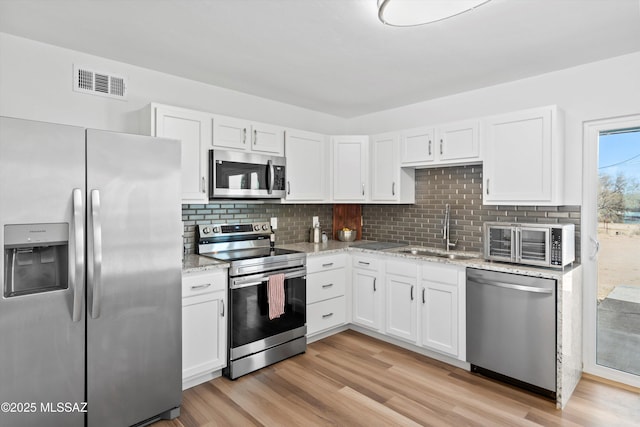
x,y
36,83
593,91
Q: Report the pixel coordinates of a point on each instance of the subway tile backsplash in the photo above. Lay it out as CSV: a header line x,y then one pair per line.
x,y
419,224
461,187
294,221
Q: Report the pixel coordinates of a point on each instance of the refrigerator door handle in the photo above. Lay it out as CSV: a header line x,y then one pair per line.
x,y
76,279
96,229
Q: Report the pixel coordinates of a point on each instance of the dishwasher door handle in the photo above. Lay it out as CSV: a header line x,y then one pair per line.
x,y
516,287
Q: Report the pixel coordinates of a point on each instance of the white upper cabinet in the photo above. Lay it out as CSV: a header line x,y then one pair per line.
x,y
389,182
417,147
230,133
350,171
448,144
193,129
459,142
523,158
307,166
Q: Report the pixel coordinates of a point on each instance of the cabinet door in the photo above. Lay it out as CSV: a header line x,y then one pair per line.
x,y
267,139
350,167
204,334
439,314
231,133
307,166
459,142
417,147
385,168
518,158
366,299
401,293
193,129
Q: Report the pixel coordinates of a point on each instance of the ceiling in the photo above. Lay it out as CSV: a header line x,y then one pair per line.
x,y
333,56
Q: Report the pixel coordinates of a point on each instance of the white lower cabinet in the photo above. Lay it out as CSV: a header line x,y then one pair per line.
x,y
441,308
401,283
204,326
368,292
326,292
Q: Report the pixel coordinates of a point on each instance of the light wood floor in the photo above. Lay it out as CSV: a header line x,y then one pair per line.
x,y
350,379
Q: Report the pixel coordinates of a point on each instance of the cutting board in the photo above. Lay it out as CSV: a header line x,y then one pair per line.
x,y
349,216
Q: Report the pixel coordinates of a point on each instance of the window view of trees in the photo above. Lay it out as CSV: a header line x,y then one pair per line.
x,y
618,199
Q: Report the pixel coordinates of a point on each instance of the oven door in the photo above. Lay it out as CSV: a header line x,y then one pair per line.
x,y
251,330
244,175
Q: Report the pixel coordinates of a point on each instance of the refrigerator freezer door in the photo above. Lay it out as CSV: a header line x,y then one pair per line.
x,y
42,348
134,253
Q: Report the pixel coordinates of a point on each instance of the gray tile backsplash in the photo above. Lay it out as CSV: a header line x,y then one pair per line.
x,y
294,221
418,224
461,187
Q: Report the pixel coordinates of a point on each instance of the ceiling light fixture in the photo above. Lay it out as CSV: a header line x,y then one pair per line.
x,y
409,13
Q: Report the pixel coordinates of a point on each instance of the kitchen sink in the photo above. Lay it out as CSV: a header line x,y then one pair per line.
x,y
427,252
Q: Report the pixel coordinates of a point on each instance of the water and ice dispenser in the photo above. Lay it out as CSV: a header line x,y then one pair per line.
x,y
35,258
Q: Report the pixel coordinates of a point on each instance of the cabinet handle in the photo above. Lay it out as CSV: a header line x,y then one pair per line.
x,y
195,287
363,263
363,188
244,135
423,298
329,264
204,185
393,188
487,186
429,147
324,316
255,137
222,303
441,147
411,292
327,286
374,284
288,187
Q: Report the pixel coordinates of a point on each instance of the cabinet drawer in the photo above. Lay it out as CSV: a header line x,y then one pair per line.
x,y
323,263
204,282
402,268
325,285
365,262
440,273
326,314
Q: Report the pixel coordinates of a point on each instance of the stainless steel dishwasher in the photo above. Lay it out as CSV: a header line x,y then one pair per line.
x,y
511,329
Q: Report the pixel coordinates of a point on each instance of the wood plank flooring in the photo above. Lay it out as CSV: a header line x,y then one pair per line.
x,y
350,379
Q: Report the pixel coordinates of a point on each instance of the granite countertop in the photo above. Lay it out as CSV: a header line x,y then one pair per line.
x,y
334,246
193,263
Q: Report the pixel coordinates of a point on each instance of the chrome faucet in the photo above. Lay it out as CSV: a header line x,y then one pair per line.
x,y
446,229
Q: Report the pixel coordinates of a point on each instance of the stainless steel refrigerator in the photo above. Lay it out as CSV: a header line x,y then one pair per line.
x,y
90,311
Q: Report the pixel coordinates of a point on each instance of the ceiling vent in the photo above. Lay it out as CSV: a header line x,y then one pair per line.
x,y
98,83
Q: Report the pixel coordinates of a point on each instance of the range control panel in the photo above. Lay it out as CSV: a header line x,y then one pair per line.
x,y
216,230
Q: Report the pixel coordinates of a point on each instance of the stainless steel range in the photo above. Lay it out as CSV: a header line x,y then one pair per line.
x,y
255,339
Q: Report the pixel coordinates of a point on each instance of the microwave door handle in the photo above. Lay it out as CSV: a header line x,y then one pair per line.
x,y
270,177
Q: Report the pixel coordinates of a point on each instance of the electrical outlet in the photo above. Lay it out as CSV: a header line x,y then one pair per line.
x,y
274,223
316,221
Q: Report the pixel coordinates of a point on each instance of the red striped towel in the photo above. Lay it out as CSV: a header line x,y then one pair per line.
x,y
275,292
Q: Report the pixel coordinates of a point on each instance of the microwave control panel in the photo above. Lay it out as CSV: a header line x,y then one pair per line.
x,y
556,246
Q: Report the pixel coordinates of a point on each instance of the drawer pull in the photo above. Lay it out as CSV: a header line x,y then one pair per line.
x,y
327,286
204,286
329,264
324,316
364,263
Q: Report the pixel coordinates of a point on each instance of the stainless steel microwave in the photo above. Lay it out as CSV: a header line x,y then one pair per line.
x,y
545,245
237,175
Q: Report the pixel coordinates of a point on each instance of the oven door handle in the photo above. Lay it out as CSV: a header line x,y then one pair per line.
x,y
254,281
